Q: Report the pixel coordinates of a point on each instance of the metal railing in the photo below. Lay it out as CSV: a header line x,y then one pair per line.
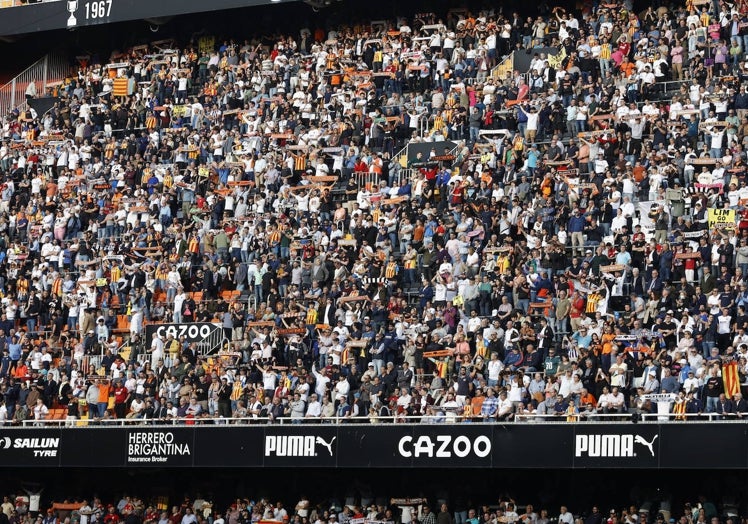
x,y
504,70
403,174
366,179
423,124
402,155
45,72
448,418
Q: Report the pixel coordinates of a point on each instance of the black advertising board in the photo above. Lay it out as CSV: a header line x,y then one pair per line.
x,y
533,446
599,447
301,446
97,447
719,446
500,446
73,14
160,446
219,447
374,446
30,446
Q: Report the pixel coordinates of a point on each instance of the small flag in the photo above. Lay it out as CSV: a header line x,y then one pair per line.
x,y
119,88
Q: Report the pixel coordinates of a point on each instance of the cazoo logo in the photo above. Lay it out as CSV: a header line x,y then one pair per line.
x,y
297,446
610,446
444,446
40,447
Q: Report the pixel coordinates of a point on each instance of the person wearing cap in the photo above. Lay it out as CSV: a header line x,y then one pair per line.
x,y
651,384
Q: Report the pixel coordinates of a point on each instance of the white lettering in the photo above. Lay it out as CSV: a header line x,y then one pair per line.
x,y
36,443
444,446
482,446
462,446
444,441
194,333
151,437
158,449
404,452
605,446
45,452
290,446
154,446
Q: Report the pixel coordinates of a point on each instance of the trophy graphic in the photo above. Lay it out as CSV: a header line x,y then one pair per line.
x,y
72,6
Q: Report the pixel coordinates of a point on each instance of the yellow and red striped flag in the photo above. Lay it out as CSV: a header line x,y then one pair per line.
x,y
119,88
345,355
679,410
731,379
442,368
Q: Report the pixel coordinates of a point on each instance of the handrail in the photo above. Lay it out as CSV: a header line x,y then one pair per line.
x,y
208,421
423,124
403,152
503,70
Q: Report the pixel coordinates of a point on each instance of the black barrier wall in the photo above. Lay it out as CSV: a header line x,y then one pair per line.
x,y
569,446
63,14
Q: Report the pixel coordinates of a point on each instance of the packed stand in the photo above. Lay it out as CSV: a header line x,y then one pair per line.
x,y
134,510
574,241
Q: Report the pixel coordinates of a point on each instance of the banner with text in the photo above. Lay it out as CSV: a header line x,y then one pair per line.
x,y
568,445
722,218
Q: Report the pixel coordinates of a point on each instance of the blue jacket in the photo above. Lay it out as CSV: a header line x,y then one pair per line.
x,y
576,224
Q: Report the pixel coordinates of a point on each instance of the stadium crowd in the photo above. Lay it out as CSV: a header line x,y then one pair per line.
x,y
573,240
133,510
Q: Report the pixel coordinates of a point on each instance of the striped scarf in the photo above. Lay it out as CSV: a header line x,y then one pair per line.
x,y
592,300
194,246
679,410
442,368
391,270
57,287
299,162
606,51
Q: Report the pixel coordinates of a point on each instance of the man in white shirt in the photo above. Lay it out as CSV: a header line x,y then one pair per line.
x,y
85,512
506,408
565,516
157,350
691,384
314,409
618,372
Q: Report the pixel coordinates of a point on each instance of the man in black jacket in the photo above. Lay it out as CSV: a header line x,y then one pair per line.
x,y
740,405
389,379
33,309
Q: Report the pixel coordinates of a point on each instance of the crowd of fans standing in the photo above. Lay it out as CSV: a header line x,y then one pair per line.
x,y
535,262
459,509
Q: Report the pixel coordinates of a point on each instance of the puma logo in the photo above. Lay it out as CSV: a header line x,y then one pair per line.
x,y
322,442
638,439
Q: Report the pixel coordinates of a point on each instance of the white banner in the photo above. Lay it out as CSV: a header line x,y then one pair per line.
x,y
660,397
644,220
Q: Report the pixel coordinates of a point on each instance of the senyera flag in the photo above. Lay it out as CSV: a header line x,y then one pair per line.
x,y
731,378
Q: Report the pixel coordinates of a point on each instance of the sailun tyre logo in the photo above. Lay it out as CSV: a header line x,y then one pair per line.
x,y
39,447
297,446
613,446
155,447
